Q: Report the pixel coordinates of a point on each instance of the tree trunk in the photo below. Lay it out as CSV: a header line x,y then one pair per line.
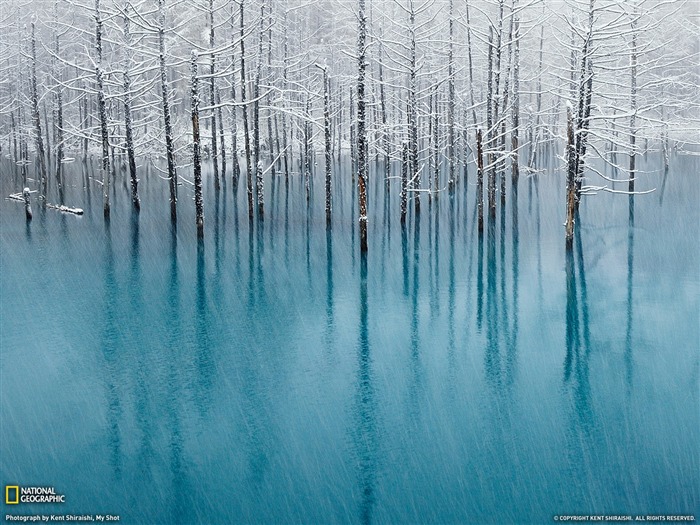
x,y
169,141
196,157
127,112
414,173
256,119
633,102
515,169
246,132
329,159
480,179
102,110
571,175
404,181
361,130
212,98
41,156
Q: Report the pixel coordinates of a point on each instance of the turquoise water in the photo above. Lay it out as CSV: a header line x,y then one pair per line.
x,y
271,375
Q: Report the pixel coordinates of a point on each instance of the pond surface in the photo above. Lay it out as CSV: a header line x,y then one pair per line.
x,y
270,375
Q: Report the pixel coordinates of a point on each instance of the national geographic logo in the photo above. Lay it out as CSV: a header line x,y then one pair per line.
x,y
14,494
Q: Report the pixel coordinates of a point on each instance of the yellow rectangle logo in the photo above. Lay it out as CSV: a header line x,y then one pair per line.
x,y
8,490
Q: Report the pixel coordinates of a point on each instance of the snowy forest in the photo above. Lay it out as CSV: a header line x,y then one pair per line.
x,y
434,93
351,261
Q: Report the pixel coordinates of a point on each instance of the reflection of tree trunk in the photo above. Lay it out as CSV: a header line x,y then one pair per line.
x,y
502,256
366,423
480,282
330,322
630,272
576,366
572,327
492,363
109,346
584,290
480,179
415,343
451,281
203,359
512,346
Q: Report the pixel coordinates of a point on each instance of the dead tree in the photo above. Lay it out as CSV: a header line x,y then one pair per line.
x,y
327,133
41,157
633,101
127,110
451,102
571,176
196,157
212,97
246,129
169,141
362,164
102,109
480,178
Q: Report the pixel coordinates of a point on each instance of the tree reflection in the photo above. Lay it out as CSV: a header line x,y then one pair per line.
x,y
630,271
365,407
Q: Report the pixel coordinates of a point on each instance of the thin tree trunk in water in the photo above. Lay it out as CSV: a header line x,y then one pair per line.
x,y
361,130
583,131
385,132
480,179
506,94
285,73
571,177
585,93
48,142
27,204
222,136
471,70
633,97
169,143
212,98
196,157
41,156
537,127
496,166
246,132
404,181
307,150
234,124
515,169
353,141
15,158
327,129
339,132
491,189
436,144
414,174
451,102
101,108
271,143
84,124
431,187
127,112
256,119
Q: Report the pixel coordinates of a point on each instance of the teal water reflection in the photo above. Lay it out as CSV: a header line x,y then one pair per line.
x,y
271,374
